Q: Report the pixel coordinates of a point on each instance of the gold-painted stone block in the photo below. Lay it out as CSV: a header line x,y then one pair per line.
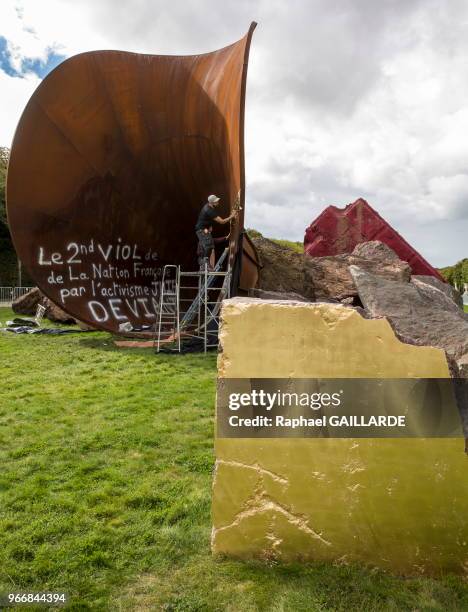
x,y
400,504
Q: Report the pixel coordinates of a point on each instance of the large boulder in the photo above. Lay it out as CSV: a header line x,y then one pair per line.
x,y
27,303
446,288
56,314
418,313
330,277
281,267
463,366
443,299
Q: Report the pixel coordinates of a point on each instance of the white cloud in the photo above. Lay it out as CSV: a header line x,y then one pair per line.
x,y
344,99
22,40
35,28
449,193
14,94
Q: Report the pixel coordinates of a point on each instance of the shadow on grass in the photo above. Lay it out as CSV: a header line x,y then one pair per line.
x,y
207,583
107,344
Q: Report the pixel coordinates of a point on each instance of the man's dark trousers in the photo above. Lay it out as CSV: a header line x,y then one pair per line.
x,y
205,248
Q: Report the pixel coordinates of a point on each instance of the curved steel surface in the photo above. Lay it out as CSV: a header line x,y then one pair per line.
x,y
113,157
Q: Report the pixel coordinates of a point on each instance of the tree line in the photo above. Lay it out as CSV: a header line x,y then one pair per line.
x,y
9,270
4,157
457,275
8,261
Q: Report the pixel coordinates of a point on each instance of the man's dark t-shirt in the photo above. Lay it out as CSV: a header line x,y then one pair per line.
x,y
206,216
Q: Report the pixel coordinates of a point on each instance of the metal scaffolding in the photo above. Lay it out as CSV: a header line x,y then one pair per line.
x,y
189,305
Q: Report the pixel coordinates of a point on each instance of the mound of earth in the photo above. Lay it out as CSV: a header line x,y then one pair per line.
x,y
282,268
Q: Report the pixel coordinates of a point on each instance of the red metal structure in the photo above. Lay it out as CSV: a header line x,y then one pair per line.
x,y
112,159
337,231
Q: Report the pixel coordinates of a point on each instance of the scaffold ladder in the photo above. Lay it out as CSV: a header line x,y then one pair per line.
x,y
207,279
168,329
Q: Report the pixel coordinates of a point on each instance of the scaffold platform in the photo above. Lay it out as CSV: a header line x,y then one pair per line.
x,y
189,306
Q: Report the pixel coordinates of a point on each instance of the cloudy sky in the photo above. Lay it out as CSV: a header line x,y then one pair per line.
x,y
345,98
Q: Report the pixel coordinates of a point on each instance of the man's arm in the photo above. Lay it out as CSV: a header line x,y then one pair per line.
x,y
227,219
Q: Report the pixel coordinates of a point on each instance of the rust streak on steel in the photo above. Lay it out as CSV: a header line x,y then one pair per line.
x,y
112,159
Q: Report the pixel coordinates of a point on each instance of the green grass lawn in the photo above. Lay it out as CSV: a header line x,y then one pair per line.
x,y
105,490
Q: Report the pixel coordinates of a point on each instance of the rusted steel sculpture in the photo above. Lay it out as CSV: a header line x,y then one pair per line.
x,y
337,231
112,159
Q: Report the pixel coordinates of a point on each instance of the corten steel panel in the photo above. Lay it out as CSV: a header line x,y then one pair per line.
x,y
113,157
250,264
337,231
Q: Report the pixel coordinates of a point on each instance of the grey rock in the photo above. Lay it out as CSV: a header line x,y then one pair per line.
x,y
446,288
362,311
330,276
376,251
462,364
416,317
327,277
441,298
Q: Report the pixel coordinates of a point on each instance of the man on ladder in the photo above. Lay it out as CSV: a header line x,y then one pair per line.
x,y
203,227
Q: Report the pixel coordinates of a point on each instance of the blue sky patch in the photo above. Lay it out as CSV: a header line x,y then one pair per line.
x,y
29,64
